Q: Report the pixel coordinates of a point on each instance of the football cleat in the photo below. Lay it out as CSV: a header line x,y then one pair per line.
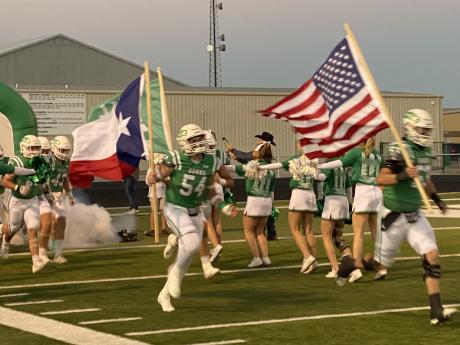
x,y
355,276
381,274
447,314
165,301
307,262
216,253
59,259
170,246
255,262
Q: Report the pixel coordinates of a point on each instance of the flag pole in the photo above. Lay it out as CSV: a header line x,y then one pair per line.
x,y
164,110
153,198
382,105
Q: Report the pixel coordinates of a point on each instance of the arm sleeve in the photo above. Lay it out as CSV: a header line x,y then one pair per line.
x,y
271,166
350,158
331,165
320,178
6,169
242,157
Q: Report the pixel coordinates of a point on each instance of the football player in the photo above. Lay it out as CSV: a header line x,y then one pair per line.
x,y
59,186
23,202
402,216
190,173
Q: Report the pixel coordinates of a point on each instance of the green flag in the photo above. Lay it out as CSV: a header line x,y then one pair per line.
x,y
17,119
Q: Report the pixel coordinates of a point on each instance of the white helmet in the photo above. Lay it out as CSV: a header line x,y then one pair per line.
x,y
418,125
60,146
30,146
46,147
211,141
187,133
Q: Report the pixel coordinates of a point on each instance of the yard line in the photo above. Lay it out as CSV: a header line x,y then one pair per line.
x,y
34,302
61,331
146,246
14,295
122,319
224,342
272,321
163,276
70,311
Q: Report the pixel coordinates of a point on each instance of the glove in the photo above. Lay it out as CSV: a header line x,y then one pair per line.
x,y
24,190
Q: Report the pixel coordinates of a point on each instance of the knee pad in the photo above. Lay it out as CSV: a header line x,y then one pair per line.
x,y
432,271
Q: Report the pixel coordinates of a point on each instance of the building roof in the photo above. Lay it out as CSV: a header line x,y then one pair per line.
x,y
11,47
448,111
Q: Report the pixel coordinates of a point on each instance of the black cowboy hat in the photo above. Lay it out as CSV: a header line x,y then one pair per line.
x,y
265,136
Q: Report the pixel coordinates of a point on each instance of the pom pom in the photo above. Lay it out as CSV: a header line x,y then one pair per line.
x,y
251,170
302,166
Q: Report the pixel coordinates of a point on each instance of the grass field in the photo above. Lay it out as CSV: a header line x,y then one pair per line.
x,y
113,290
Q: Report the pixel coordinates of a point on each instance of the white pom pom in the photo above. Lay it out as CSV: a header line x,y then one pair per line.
x,y
251,170
302,166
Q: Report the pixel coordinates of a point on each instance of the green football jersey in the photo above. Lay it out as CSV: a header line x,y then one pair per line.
x,y
258,187
35,189
337,181
59,173
404,196
305,183
189,180
365,169
4,169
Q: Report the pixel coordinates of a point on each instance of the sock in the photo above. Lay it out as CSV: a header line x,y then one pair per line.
x,y
42,252
435,304
58,246
35,259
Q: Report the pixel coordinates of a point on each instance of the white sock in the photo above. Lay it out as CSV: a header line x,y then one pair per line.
x,y
42,252
205,261
35,259
58,246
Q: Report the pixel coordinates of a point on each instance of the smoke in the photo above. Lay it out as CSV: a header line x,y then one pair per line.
x,y
88,226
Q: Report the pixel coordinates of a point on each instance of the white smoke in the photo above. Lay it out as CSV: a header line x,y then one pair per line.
x,y
88,226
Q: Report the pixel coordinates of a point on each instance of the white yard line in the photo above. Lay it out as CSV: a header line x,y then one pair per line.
x,y
122,319
145,246
163,276
70,311
223,342
33,302
57,330
286,320
14,295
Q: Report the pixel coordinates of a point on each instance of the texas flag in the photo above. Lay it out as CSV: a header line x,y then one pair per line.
x,y
110,146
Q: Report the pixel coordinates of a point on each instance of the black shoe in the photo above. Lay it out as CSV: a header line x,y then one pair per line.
x,y
272,238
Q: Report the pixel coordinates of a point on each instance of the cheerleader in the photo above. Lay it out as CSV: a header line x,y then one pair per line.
x,y
302,207
259,190
365,162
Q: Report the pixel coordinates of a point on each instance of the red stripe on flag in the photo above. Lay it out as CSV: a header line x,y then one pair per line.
x,y
287,98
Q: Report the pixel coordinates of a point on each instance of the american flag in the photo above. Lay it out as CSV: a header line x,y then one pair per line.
x,y
334,110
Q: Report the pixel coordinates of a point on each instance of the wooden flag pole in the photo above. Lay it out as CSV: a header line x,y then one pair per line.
x,y
164,110
386,113
153,198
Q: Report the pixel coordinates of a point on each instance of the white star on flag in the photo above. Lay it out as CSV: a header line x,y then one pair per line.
x,y
123,125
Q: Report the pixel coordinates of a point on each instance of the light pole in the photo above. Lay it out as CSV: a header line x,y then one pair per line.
x,y
215,45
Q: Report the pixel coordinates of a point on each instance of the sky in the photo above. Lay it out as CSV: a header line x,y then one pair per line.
x,y
410,45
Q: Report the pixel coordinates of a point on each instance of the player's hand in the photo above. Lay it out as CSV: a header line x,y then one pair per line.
x,y
230,210
229,147
24,190
411,172
152,178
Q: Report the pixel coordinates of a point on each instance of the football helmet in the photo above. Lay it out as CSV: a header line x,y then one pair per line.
x,y
418,126
60,146
211,141
192,139
46,147
30,146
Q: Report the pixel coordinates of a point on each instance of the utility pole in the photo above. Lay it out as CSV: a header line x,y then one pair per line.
x,y
215,45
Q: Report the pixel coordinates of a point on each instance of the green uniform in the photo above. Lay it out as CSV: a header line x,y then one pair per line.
x,y
262,188
4,169
36,189
365,169
59,173
337,181
404,196
189,180
306,183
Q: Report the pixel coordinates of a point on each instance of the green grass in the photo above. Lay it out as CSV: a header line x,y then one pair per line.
x,y
238,296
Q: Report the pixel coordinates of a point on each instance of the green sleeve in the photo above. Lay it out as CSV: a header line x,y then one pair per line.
x,y
285,164
170,158
6,169
239,170
350,158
